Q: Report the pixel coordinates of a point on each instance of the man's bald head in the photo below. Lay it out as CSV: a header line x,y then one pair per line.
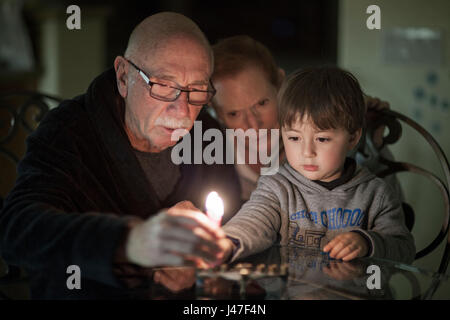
x,y
154,31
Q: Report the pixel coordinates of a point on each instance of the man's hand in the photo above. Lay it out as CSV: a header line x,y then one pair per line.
x,y
373,106
181,235
226,249
175,278
347,246
183,205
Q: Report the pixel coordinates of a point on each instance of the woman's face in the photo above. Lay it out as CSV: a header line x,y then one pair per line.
x,y
247,100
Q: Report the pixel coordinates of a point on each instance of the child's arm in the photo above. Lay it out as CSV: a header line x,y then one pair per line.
x,y
386,229
257,223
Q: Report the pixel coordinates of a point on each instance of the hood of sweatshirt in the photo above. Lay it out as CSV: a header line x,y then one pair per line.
x,y
361,175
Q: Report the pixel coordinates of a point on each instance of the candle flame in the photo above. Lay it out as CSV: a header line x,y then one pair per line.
x,y
214,206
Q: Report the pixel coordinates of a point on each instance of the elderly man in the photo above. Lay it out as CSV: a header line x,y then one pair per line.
x,y
97,174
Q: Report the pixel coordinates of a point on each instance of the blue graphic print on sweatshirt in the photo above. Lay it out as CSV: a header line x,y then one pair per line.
x,y
332,219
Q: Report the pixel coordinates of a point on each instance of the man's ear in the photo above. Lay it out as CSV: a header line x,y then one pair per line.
x,y
121,67
354,139
281,76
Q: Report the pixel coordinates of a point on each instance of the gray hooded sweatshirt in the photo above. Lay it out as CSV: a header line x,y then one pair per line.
x,y
288,209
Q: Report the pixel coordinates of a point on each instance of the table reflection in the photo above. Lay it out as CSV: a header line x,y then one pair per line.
x,y
285,273
294,273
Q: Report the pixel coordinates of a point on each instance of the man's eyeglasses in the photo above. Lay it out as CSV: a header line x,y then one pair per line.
x,y
167,91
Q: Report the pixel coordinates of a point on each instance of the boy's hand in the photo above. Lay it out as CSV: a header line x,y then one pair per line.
x,y
347,246
344,270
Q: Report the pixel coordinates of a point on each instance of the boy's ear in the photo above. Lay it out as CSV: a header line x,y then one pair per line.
x,y
354,139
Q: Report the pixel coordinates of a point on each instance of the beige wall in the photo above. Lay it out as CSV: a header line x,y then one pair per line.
x,y
360,51
71,58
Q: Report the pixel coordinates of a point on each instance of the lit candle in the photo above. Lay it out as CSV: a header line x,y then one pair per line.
x,y
214,207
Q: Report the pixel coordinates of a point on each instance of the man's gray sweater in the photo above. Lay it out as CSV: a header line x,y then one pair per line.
x,y
289,209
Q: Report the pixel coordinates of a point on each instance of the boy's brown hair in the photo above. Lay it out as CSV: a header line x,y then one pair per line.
x,y
233,54
331,97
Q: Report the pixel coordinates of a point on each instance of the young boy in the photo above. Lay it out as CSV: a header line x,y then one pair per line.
x,y
320,198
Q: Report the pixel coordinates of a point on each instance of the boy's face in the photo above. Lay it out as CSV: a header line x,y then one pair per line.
x,y
316,154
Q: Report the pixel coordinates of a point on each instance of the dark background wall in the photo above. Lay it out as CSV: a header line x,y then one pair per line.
x,y
301,32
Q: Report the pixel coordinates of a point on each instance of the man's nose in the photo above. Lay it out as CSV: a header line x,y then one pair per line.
x,y
251,120
181,105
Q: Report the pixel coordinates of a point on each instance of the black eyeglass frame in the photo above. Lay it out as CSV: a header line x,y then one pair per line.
x,y
146,78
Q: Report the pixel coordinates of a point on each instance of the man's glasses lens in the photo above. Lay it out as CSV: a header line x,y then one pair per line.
x,y
163,92
167,93
199,97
